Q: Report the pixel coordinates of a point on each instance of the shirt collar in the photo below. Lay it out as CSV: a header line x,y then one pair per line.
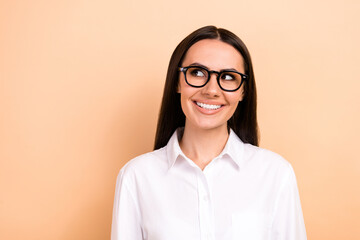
x,y
173,147
234,148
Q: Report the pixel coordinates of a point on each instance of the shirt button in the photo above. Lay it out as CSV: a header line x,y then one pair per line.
x,y
205,198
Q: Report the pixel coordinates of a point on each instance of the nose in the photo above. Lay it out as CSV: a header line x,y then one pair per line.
x,y
212,88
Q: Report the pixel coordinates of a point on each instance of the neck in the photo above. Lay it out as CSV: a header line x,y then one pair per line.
x,y
203,145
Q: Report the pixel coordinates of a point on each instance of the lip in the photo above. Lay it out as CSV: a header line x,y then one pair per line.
x,y
208,111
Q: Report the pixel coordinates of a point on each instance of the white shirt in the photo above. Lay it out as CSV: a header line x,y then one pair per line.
x,y
245,193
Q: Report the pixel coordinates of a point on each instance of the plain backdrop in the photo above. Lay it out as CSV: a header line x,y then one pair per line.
x,y
80,90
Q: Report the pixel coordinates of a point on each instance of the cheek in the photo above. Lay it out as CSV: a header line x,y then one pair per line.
x,y
184,100
233,101
234,107
241,94
181,85
235,97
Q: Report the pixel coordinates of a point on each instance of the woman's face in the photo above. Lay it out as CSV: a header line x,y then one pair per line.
x,y
210,107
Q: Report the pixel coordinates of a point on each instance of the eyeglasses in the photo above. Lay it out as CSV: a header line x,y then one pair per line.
x,y
228,80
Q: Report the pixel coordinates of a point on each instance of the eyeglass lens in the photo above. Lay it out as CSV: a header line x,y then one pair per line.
x,y
198,77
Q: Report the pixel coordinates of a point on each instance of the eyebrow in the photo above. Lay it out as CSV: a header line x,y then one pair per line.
x,y
201,65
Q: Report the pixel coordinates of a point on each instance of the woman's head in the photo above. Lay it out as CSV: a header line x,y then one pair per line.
x,y
210,87
243,121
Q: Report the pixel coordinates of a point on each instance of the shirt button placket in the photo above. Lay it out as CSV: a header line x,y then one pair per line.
x,y
205,209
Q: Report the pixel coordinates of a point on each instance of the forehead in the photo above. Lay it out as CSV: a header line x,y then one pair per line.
x,y
214,54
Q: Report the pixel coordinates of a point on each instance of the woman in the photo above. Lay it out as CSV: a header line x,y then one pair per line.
x,y
207,179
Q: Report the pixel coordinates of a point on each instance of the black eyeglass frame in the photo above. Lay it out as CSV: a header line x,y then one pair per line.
x,y
243,77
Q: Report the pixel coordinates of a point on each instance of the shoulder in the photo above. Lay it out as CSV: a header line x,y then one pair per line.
x,y
253,157
266,160
262,154
145,164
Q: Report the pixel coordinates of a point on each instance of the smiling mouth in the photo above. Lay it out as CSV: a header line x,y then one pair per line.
x,y
208,106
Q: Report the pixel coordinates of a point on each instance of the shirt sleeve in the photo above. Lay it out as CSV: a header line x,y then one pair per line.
x,y
288,221
126,222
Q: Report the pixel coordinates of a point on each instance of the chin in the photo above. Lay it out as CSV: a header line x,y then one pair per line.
x,y
210,125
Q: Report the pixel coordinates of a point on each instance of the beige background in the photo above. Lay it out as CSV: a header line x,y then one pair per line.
x,y
80,89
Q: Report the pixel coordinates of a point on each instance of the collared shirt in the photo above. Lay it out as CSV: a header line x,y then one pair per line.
x,y
245,193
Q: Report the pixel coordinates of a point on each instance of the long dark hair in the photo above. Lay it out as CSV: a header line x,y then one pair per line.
x,y
244,120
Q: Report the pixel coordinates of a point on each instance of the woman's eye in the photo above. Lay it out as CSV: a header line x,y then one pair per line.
x,y
197,73
227,76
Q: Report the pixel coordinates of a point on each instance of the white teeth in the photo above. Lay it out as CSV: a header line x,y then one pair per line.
x,y
208,106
